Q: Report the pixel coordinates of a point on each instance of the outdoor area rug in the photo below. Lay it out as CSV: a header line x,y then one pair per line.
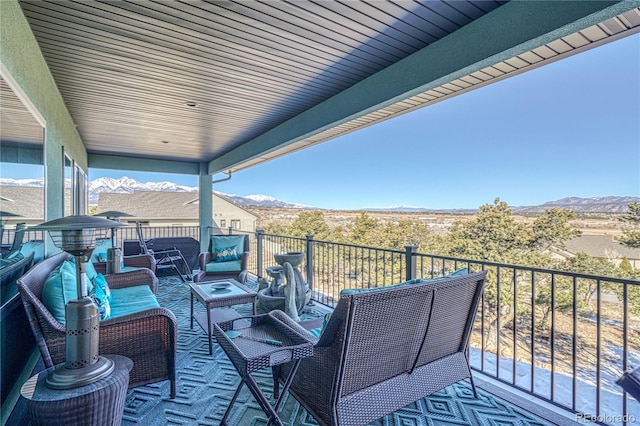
x,y
206,384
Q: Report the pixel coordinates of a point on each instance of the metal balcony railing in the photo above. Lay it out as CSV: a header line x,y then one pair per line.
x,y
560,336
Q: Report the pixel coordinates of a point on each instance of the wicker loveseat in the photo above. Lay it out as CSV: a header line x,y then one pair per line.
x,y
147,337
381,350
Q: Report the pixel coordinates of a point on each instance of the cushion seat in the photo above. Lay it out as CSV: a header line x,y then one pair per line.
x,y
228,266
129,300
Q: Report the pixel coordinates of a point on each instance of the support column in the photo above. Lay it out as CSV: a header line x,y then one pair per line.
x,y
205,210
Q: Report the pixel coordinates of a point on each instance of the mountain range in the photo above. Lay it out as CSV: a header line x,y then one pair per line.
x,y
608,204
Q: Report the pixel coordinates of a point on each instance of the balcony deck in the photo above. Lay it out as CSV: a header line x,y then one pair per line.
x,y
543,394
206,384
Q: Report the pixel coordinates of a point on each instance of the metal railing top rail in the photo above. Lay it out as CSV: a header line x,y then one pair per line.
x,y
532,269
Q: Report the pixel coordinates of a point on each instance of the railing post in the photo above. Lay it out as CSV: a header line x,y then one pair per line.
x,y
259,241
411,260
309,263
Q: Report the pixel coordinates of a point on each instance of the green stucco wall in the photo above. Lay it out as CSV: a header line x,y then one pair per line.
x,y
21,57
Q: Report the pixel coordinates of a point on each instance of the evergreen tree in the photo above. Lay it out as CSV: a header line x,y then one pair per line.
x,y
631,237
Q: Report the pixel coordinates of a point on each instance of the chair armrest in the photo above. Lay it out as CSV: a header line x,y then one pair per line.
x,y
245,261
279,315
100,267
141,261
149,339
133,278
203,259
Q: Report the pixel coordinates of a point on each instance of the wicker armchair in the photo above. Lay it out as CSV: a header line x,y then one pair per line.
x,y
384,349
237,270
135,261
148,337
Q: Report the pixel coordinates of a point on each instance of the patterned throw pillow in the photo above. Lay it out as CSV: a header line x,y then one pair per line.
x,y
225,254
101,296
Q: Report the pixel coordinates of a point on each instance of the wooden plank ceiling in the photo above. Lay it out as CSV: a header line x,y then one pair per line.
x,y
130,72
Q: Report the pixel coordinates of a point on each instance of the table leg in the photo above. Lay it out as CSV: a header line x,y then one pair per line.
x,y
209,331
223,422
287,384
275,373
263,401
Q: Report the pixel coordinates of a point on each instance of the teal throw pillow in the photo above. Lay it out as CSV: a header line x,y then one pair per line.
x,y
101,281
226,254
101,300
225,241
14,257
60,288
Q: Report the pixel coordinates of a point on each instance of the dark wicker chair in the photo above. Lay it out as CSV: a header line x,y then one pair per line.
x,y
135,261
207,257
384,349
148,337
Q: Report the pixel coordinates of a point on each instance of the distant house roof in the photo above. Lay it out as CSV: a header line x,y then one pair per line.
x,y
156,204
26,201
602,246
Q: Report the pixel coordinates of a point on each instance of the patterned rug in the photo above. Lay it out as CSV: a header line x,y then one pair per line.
x,y
206,384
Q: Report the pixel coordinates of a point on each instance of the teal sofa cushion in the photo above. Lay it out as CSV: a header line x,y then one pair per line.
x,y
125,301
459,272
35,247
60,288
14,257
99,253
230,266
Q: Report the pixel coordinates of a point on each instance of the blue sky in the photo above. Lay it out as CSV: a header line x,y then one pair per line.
x,y
570,128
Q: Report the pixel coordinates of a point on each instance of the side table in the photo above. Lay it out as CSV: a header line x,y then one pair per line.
x,y
100,403
267,342
218,294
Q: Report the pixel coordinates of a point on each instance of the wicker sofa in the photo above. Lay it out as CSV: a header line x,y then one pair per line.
x,y
381,350
147,337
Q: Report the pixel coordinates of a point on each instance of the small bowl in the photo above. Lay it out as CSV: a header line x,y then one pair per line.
x,y
220,286
295,258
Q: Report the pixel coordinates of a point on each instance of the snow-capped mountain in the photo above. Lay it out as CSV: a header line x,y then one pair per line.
x,y
261,200
22,182
126,185
609,204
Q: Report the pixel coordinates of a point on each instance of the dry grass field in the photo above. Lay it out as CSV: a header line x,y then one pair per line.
x,y
605,224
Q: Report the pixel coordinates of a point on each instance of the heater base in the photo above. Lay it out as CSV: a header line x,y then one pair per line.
x,y
68,378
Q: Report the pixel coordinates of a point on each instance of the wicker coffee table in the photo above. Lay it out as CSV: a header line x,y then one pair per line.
x,y
266,342
218,294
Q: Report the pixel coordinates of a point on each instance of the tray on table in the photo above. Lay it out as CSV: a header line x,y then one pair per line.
x,y
249,355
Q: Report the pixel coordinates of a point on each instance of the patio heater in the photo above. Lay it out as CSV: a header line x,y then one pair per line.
x,y
114,254
76,236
